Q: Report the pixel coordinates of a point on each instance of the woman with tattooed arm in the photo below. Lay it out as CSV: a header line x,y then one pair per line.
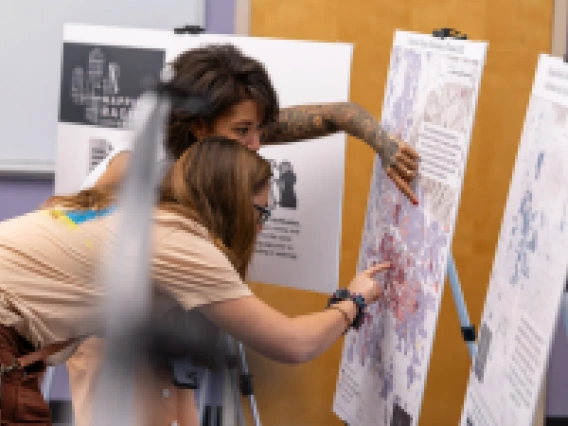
x,y
252,116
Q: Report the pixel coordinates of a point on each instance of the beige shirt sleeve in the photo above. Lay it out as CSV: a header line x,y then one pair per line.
x,y
190,268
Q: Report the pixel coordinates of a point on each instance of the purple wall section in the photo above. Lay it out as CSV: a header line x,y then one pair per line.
x,y
220,17
19,195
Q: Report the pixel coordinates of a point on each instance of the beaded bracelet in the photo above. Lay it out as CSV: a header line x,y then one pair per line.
x,y
344,294
345,315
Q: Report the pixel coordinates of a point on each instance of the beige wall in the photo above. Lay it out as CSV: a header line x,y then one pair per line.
x,y
517,31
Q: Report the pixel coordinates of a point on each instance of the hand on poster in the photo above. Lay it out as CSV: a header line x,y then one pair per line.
x,y
400,162
365,284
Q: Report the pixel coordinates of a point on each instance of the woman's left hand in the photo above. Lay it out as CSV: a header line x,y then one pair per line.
x,y
400,162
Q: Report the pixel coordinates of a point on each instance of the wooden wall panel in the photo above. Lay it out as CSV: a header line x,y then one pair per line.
x,y
299,20
517,31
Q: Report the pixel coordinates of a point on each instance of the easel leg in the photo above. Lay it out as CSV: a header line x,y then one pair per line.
x,y
247,387
228,401
460,303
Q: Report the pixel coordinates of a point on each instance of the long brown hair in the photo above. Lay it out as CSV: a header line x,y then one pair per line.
x,y
212,183
224,77
87,199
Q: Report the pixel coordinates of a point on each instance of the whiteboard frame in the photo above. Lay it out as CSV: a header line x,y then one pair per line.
x,y
45,168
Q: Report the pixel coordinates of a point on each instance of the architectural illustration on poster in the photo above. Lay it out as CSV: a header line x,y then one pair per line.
x,y
91,87
529,270
430,102
99,86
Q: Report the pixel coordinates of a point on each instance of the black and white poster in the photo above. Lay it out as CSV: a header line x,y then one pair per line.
x,y
301,239
100,84
99,87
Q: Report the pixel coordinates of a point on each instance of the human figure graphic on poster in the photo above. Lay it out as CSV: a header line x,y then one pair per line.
x,y
286,182
282,192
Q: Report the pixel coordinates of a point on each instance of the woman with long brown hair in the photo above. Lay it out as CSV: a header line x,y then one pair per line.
x,y
211,204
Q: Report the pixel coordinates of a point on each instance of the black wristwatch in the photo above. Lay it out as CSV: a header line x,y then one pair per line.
x,y
344,294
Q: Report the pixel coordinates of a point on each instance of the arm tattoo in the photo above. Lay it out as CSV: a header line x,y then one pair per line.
x,y
313,121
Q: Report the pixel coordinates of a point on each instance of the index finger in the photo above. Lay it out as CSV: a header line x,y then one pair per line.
x,y
403,186
378,268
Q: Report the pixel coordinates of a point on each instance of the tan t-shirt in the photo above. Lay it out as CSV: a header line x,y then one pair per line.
x,y
49,286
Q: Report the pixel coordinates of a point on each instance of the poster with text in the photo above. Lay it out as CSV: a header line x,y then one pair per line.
x,y
301,240
102,75
430,102
529,270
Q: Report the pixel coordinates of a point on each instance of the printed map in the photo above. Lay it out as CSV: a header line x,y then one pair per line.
x,y
429,102
529,270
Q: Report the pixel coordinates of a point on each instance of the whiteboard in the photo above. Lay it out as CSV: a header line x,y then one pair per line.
x,y
32,39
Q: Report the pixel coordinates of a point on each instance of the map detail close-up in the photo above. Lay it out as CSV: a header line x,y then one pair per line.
x,y
529,270
430,103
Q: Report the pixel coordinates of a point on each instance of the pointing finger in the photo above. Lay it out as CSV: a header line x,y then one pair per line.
x,y
378,268
402,185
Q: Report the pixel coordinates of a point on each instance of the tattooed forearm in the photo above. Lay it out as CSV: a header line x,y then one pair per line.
x,y
398,159
301,122
312,121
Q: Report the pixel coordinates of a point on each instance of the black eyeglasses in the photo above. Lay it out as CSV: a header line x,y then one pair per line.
x,y
264,213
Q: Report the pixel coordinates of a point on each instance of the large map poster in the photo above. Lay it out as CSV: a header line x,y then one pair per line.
x,y
529,270
430,102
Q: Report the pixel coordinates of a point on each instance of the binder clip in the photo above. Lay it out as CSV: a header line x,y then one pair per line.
x,y
189,29
449,33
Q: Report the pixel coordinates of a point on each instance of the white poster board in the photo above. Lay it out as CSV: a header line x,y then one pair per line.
x,y
302,72
430,102
529,270
299,246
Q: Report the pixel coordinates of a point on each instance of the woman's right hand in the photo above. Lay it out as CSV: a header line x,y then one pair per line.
x,y
282,338
365,285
